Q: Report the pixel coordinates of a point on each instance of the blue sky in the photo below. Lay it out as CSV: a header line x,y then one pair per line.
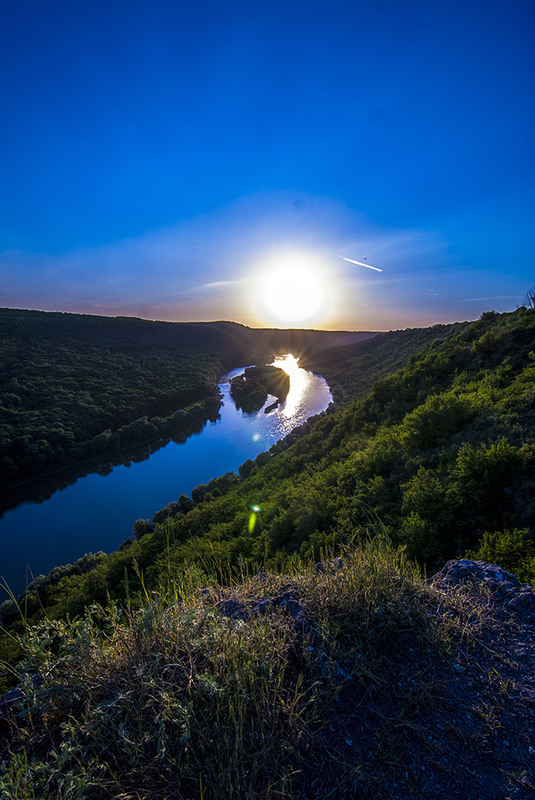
x,y
183,161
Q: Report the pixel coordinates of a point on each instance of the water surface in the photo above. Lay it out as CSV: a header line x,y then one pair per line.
x,y
97,511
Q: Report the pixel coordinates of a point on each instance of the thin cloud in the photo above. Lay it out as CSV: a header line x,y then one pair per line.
x,y
494,297
211,285
216,285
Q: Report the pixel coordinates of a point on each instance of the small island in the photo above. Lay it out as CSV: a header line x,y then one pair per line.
x,y
250,389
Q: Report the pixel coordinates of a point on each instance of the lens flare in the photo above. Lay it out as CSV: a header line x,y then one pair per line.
x,y
252,519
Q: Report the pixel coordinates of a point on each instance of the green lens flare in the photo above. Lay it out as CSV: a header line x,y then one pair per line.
x,y
252,519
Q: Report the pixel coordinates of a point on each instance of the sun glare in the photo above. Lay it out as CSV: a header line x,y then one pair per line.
x,y
293,290
299,380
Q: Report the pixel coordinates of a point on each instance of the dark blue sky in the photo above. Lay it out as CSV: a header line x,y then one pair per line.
x,y
163,159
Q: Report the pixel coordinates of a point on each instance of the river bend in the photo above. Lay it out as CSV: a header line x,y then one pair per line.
x,y
97,511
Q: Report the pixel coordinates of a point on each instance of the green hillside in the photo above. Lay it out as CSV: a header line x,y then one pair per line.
x,y
434,456
274,635
352,369
438,457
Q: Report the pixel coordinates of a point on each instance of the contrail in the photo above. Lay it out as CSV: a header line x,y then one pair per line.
x,y
352,261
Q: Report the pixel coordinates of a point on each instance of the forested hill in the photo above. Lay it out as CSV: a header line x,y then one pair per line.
x,y
351,369
438,457
75,387
229,341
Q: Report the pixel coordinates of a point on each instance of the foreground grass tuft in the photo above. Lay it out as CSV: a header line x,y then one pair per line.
x,y
314,684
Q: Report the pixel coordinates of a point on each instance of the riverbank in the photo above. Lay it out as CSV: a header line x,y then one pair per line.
x,y
188,421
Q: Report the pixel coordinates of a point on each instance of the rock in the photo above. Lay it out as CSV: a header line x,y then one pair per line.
x,y
330,567
505,590
288,602
463,570
233,609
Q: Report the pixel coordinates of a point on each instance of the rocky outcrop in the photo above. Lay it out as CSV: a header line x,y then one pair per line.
x,y
288,602
504,590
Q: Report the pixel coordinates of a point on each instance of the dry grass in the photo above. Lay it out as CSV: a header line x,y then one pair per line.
x,y
314,684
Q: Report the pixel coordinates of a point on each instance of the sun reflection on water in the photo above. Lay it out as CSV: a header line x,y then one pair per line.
x,y
309,395
299,381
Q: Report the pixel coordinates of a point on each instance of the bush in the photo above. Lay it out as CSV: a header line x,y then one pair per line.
x,y
513,550
141,527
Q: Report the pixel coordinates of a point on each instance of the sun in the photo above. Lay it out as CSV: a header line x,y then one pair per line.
x,y
293,290
292,294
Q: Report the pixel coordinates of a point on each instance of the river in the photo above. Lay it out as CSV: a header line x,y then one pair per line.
x,y
97,512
